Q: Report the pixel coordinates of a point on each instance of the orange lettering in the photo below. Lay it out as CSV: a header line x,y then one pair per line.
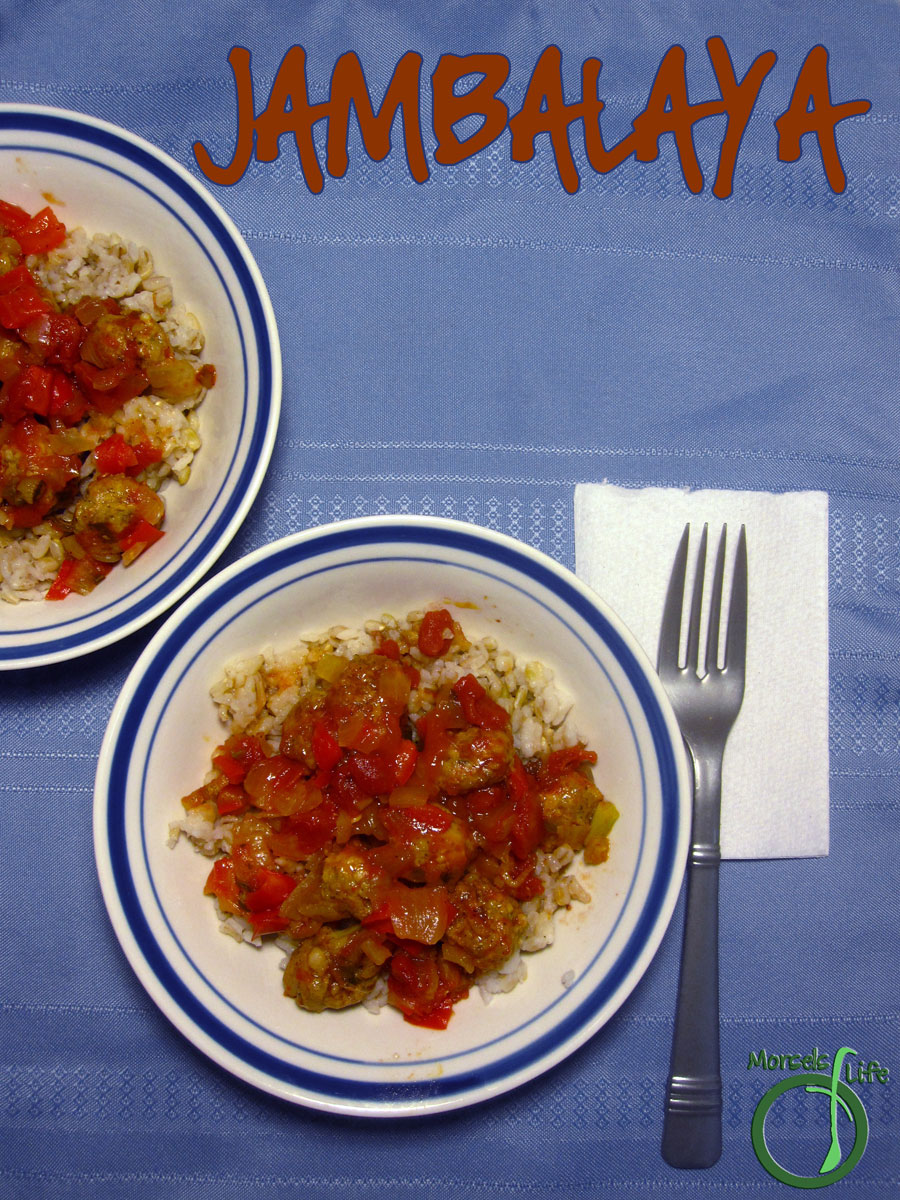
x,y
740,100
289,88
544,110
239,58
668,110
811,111
348,86
480,100
602,160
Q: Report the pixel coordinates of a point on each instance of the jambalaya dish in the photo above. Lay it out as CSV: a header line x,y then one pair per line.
x,y
398,807
100,377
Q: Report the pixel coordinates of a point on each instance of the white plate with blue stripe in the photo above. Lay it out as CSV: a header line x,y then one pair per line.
x,y
107,180
225,997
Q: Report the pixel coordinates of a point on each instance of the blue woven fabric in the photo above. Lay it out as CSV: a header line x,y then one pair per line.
x,y
472,346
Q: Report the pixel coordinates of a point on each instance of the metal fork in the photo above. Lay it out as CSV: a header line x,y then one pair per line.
x,y
706,697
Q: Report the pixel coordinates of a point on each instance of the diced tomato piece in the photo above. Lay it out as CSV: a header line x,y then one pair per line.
x,y
325,747
35,234
18,276
30,391
437,1017
435,632
109,388
114,456
344,789
63,338
269,921
232,799
527,830
304,834
67,404
12,218
146,453
271,889
373,773
140,533
417,985
568,758
222,883
238,755
42,232
21,301
414,977
19,307
380,919
377,774
389,647
233,771
26,516
492,813
405,762
434,728
477,705
419,819
413,674
530,887
509,814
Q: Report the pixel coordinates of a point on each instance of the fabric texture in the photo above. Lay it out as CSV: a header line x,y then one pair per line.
x,y
475,345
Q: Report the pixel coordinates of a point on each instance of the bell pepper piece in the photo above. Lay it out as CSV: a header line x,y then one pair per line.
x,y
62,583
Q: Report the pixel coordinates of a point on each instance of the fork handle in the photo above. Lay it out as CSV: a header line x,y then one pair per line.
x,y
692,1128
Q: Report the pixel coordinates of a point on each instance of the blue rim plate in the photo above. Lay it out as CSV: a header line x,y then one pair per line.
x,y
226,998
107,180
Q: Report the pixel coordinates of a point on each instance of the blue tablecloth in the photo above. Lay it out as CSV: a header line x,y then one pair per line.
x,y
471,346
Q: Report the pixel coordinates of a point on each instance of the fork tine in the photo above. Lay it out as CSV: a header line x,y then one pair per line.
x,y
715,606
736,638
670,630
693,639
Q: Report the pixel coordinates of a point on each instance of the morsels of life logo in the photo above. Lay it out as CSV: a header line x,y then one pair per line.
x,y
847,1124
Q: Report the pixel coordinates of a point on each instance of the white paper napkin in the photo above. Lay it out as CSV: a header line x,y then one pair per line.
x,y
775,772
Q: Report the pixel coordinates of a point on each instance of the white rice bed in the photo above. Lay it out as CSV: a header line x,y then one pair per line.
x,y
256,693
